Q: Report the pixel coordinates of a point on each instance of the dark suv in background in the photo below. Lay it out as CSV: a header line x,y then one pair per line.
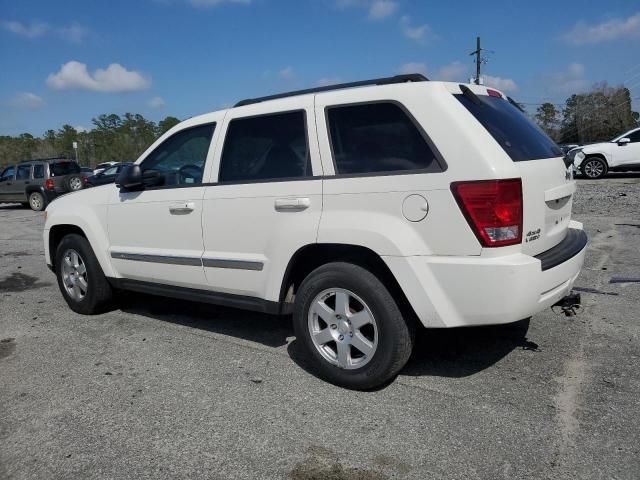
x,y
35,183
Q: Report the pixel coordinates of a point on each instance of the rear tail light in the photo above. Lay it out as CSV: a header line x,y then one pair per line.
x,y
493,209
48,184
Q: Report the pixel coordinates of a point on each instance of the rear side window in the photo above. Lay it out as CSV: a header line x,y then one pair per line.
x,y
377,137
38,171
516,134
267,147
23,172
63,168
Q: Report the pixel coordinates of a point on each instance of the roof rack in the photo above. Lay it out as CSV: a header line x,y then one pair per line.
x,y
412,77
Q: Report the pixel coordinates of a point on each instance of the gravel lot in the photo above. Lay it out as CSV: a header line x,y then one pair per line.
x,y
168,389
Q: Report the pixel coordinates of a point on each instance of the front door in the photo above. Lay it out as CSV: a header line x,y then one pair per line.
x,y
267,201
23,178
6,184
156,234
628,153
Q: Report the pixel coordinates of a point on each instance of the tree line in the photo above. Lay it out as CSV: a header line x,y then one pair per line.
x,y
112,138
598,115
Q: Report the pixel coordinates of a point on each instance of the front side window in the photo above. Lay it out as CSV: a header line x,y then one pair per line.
x,y
377,138
634,137
180,159
23,172
38,171
267,147
7,174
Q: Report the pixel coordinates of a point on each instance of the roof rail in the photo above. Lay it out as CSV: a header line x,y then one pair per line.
x,y
411,77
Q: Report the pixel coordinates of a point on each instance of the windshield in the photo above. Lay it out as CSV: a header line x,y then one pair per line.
x,y
516,134
63,168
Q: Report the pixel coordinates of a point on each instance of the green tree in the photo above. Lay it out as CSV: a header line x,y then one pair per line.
x,y
167,124
547,117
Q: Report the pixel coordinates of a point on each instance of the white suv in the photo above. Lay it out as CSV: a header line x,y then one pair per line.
x,y
366,212
620,154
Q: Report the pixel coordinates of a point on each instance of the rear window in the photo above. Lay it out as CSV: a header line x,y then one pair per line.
x,y
63,168
516,134
377,138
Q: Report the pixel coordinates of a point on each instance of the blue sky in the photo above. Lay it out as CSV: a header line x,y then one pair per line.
x,y
69,61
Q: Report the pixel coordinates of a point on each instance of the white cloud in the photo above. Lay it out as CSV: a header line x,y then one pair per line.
x,y
568,81
115,78
74,33
215,3
614,29
504,84
381,9
81,128
326,81
287,73
413,67
27,101
420,33
452,72
156,102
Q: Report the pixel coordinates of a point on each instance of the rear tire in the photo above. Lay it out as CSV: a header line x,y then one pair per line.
x,y
80,277
594,168
350,327
37,201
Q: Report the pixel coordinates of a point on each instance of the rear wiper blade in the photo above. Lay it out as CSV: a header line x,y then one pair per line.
x,y
515,104
466,91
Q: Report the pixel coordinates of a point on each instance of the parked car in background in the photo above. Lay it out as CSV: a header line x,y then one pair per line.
x,y
619,155
106,176
365,212
35,183
102,166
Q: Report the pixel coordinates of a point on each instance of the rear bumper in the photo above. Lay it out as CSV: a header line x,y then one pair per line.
x,y
466,291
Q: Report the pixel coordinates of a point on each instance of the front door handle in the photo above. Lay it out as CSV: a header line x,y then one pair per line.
x,y
183,208
292,204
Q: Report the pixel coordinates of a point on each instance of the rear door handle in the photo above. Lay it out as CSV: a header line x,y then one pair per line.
x,y
292,204
183,208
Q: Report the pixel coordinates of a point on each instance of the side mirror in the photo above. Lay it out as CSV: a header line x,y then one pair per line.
x,y
624,141
130,178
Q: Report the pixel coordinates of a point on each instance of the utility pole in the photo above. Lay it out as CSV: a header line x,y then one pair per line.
x,y
478,53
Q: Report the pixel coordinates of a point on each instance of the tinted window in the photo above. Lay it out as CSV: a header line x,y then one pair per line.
x,y
8,173
63,168
377,137
38,171
635,136
180,159
266,147
23,172
516,134
111,171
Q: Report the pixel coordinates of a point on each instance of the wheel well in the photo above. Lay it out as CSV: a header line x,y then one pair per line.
x,y
310,257
56,234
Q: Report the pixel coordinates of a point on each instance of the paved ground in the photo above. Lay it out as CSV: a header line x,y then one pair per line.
x,y
166,389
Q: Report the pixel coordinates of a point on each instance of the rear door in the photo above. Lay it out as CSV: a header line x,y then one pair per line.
x,y
23,178
547,185
627,153
267,199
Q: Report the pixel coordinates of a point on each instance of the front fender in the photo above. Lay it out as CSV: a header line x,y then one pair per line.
x,y
86,210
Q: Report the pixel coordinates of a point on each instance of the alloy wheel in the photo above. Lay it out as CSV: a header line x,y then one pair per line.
x,y
35,201
74,275
593,169
75,184
342,328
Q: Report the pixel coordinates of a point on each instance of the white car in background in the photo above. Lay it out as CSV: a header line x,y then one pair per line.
x,y
620,154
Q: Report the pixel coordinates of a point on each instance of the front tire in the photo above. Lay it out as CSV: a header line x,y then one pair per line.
x,y
37,201
80,277
350,327
594,168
